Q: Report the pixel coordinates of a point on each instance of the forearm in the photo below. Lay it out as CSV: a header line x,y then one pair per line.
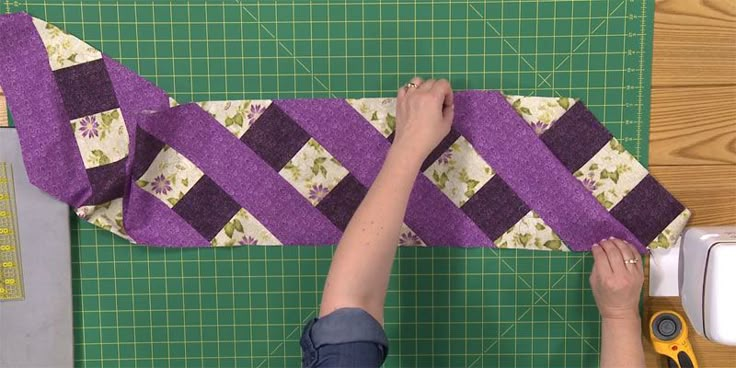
x,y
621,344
361,266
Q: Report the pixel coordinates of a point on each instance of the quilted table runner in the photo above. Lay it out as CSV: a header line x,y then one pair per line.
x,y
514,172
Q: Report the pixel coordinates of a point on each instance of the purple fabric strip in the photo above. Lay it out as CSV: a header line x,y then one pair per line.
x,y
207,208
576,137
137,97
243,175
647,209
510,146
361,149
143,150
343,200
275,137
441,148
150,221
108,182
50,150
86,89
495,208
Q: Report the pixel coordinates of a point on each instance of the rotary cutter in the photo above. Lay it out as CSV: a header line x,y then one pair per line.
x,y
668,332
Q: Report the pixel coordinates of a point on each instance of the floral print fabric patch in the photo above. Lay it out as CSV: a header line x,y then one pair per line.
x,y
611,174
313,172
102,138
170,177
236,116
537,173
459,172
64,50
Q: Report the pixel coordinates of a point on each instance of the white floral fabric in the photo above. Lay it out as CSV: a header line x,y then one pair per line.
x,y
236,116
540,112
313,172
170,176
108,216
379,112
244,229
531,233
459,172
64,50
102,138
611,174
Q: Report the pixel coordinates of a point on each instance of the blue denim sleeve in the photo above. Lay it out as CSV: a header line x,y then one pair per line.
x,y
347,337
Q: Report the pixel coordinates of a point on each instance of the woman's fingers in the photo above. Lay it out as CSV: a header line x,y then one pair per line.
x,y
443,88
427,85
615,258
601,265
403,90
629,253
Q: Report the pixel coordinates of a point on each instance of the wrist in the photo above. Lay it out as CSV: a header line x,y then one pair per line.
x,y
623,316
406,159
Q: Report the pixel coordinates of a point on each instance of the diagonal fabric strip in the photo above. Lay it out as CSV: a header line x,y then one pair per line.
x,y
361,149
86,89
495,208
533,172
160,225
647,209
207,208
48,143
575,126
138,98
242,174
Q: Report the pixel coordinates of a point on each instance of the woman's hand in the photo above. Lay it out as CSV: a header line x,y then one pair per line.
x,y
424,112
617,284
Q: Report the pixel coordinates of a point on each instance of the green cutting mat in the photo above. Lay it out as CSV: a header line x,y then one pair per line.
x,y
143,307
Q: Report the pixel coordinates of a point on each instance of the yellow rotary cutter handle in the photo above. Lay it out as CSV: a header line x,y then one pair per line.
x,y
668,332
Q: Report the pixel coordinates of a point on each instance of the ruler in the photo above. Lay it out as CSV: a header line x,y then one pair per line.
x,y
11,275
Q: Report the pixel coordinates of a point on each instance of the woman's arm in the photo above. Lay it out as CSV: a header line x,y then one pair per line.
x,y
361,267
617,287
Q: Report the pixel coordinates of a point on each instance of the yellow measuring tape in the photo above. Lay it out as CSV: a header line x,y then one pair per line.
x,y
11,276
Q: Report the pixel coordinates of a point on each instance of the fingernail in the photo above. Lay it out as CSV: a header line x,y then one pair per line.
x,y
611,238
596,245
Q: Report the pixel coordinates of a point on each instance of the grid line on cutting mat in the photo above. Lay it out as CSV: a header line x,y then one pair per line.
x,y
136,306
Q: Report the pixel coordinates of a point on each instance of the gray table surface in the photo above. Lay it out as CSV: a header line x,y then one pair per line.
x,y
37,331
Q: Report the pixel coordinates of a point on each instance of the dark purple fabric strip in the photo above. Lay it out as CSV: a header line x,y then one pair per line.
x,y
514,151
207,208
647,209
242,174
143,150
576,137
86,89
361,149
441,148
275,137
495,208
49,148
149,221
108,182
343,200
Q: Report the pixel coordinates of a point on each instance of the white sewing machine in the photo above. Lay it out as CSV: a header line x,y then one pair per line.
x,y
702,271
